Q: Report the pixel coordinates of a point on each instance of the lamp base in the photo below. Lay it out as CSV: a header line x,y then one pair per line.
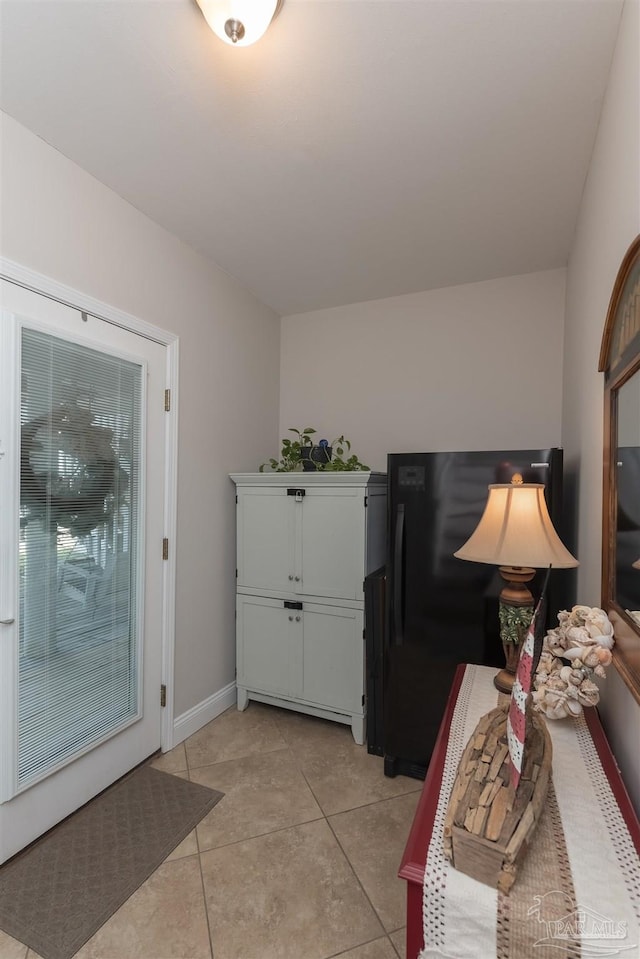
x,y
516,613
503,681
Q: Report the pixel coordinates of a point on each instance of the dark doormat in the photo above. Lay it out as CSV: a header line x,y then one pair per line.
x,y
57,893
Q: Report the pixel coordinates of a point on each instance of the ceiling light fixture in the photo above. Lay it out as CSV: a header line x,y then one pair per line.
x,y
239,22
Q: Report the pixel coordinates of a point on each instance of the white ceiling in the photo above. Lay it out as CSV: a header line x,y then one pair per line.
x,y
361,149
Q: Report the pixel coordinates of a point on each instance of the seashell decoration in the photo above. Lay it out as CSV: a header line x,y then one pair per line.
x,y
578,648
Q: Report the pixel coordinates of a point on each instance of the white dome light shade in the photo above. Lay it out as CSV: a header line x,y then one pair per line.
x,y
239,22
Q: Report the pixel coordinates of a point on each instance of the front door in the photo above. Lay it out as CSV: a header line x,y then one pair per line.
x,y
81,525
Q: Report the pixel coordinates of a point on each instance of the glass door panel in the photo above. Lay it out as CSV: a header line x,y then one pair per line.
x,y
81,479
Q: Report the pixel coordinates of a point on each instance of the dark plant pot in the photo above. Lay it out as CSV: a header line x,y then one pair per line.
x,y
312,455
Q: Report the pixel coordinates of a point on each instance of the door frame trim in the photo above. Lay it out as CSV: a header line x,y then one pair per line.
x,y
46,286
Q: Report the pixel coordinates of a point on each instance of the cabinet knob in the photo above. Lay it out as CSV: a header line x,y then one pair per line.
x,y
298,619
291,619
290,576
297,579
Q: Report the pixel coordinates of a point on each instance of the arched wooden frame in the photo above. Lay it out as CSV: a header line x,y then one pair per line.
x,y
620,360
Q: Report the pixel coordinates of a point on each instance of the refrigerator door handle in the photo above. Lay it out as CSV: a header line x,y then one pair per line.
x,y
397,577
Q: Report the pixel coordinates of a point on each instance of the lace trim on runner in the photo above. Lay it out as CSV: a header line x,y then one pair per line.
x,y
437,865
612,817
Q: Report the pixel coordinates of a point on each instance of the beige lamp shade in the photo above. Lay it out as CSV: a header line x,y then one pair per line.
x,y
516,530
636,565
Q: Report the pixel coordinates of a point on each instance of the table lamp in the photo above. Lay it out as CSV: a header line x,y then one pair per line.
x,y
516,534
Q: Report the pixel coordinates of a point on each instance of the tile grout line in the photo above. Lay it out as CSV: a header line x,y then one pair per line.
x,y
197,853
357,878
202,883
204,900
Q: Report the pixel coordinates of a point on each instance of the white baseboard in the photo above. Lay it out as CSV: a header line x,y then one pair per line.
x,y
198,716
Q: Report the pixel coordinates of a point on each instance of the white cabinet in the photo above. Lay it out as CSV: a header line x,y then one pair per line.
x,y
305,543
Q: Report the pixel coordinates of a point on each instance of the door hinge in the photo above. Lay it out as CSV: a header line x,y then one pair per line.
x,y
364,636
163,695
165,548
363,699
366,501
167,400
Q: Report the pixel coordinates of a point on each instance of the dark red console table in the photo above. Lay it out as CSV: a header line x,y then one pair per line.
x,y
412,867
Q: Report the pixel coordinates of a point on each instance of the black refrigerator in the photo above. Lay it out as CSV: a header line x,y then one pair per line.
x,y
440,610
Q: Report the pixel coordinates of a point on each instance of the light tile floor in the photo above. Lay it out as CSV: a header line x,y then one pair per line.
x,y
299,860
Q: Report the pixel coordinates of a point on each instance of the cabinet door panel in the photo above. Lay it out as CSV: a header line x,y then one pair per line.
x,y
333,655
265,539
330,544
269,646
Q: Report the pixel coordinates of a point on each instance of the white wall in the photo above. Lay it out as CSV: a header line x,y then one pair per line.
x,y
609,220
468,367
59,221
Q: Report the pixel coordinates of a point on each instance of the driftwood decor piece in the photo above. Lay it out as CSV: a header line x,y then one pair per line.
x,y
489,825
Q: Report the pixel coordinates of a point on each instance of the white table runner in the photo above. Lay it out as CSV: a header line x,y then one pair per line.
x,y
593,908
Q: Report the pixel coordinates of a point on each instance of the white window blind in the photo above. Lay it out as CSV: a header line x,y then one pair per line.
x,y
80,489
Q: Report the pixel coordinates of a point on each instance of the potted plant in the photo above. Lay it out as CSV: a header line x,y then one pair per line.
x,y
290,453
302,452
315,457
338,459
